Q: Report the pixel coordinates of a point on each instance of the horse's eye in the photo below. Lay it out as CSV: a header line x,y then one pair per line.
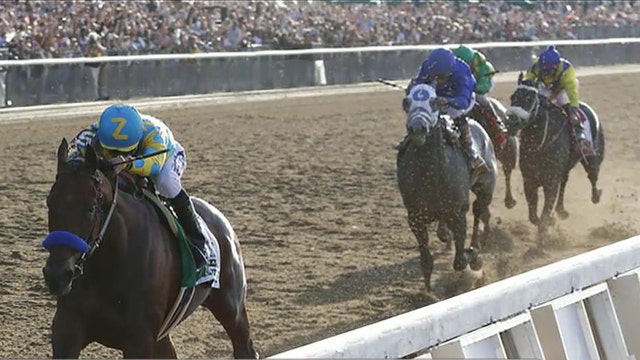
x,y
91,209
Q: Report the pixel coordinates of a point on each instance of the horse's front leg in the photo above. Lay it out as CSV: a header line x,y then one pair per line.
x,y
140,342
458,225
562,212
546,218
418,225
531,194
592,166
509,158
445,235
68,334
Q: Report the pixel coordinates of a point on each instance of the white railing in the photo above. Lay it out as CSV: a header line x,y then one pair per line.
x,y
252,54
584,307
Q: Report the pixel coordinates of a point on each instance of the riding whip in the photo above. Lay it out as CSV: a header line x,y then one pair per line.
x,y
389,83
140,157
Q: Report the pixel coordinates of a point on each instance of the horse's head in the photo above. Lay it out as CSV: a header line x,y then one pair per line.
x,y
525,102
422,118
79,204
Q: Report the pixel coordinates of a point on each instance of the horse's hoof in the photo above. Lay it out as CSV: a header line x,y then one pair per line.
x,y
461,261
476,262
510,203
444,235
595,195
562,214
534,220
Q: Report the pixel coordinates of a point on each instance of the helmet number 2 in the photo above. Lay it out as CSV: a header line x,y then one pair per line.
x,y
116,133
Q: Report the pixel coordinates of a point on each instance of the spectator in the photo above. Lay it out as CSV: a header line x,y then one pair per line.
x,y
38,28
96,74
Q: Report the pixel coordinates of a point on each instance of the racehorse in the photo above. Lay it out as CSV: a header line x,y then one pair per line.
x,y
507,154
434,177
119,291
546,155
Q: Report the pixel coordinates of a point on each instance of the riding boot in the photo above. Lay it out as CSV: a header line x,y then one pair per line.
x,y
583,144
185,211
477,162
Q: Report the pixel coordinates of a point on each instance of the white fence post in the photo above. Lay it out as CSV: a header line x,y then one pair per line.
x,y
625,292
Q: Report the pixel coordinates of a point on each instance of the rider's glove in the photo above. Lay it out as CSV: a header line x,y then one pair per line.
x,y
121,163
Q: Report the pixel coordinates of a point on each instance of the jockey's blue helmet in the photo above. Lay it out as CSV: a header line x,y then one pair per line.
x,y
120,128
439,62
549,58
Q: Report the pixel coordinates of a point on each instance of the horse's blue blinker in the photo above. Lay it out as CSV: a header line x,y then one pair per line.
x,y
65,238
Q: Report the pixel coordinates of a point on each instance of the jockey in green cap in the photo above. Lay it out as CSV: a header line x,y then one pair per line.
x,y
483,71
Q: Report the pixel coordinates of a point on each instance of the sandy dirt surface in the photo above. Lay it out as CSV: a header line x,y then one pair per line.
x,y
309,185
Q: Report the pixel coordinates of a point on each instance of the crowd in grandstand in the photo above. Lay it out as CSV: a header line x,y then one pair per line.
x,y
42,29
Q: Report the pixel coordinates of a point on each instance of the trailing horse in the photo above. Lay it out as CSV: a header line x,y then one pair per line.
x,y
435,179
507,154
546,152
119,271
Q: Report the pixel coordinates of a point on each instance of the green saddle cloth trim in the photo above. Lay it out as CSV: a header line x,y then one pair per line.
x,y
188,266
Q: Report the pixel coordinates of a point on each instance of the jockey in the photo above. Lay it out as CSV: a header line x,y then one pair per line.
x,y
122,132
556,78
454,86
483,71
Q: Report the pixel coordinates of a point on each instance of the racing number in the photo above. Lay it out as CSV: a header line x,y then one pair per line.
x,y
420,95
116,133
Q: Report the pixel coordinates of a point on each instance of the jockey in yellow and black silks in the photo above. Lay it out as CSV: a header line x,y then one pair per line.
x,y
556,78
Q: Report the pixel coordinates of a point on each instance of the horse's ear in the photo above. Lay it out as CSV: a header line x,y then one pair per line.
x,y
63,153
520,77
91,158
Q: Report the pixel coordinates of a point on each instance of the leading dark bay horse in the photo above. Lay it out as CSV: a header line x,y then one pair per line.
x,y
435,180
118,281
507,154
546,152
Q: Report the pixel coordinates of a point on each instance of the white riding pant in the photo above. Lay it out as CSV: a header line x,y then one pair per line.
x,y
561,98
454,113
168,180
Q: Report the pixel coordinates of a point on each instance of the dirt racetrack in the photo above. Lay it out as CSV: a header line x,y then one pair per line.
x,y
309,185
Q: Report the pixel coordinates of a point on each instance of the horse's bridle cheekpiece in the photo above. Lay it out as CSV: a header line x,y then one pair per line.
x,y
88,244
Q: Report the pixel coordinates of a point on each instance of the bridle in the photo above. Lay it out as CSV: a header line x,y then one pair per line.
x,y
93,239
